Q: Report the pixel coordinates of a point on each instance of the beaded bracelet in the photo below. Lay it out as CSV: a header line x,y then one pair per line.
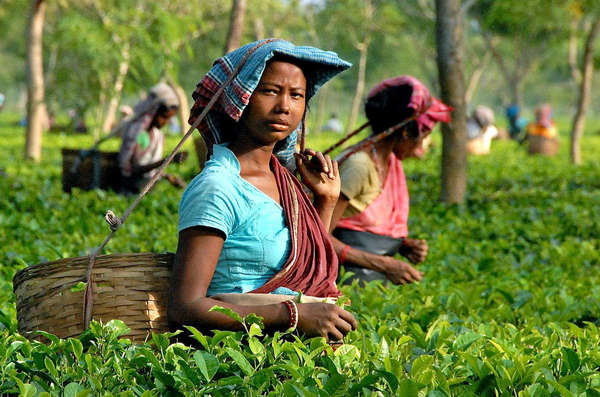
x,y
293,309
343,253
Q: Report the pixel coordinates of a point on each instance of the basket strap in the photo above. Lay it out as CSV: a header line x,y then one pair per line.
x,y
375,138
344,139
97,161
116,222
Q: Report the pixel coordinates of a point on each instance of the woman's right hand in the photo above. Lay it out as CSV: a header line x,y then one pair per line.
x,y
320,174
325,319
398,272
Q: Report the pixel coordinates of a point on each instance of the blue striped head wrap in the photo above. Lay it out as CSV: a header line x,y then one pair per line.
x,y
323,66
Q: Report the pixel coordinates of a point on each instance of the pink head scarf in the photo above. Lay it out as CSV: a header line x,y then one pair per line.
x,y
431,109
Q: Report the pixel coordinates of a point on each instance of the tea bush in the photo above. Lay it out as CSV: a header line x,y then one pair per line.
x,y
509,304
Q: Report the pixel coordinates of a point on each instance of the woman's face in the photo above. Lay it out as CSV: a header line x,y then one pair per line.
x,y
277,104
162,118
409,147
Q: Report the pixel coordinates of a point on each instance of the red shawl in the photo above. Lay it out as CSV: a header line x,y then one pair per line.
x,y
312,266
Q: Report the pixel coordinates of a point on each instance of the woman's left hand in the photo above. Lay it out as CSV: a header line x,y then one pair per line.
x,y
320,173
414,250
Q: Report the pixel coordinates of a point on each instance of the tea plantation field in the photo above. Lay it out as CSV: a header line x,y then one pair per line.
x,y
510,302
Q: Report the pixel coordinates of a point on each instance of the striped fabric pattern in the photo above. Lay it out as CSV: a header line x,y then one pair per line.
x,y
323,66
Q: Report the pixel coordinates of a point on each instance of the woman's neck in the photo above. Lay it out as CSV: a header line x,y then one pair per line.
x,y
383,150
252,157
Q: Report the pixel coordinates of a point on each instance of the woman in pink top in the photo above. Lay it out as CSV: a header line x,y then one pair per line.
x,y
371,215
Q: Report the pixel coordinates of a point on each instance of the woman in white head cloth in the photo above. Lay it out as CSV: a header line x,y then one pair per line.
x,y
481,130
142,147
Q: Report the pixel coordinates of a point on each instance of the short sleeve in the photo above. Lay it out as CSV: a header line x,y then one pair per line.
x,y
209,201
355,175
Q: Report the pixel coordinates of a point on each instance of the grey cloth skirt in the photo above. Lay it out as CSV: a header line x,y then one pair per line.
x,y
369,242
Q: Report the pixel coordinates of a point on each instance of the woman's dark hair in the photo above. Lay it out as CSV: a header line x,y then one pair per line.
x,y
390,107
164,109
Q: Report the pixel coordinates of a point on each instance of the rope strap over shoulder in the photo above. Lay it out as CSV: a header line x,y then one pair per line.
x,y
374,139
115,222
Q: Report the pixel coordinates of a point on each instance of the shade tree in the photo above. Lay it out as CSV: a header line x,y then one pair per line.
x,y
585,22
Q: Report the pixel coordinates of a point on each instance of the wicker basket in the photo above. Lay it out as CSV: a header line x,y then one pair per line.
x,y
131,287
541,145
89,170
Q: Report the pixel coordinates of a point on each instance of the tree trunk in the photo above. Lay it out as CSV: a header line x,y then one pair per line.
x,y
99,109
259,28
572,55
236,25
475,78
113,104
322,101
36,108
515,89
515,79
360,84
449,59
584,93
184,108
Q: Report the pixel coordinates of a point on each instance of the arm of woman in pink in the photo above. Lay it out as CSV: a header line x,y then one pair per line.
x,y
397,271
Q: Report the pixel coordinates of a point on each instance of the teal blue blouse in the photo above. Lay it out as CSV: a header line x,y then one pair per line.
x,y
257,241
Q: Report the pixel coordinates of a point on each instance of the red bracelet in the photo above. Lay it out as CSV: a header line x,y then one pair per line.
x,y
293,309
343,253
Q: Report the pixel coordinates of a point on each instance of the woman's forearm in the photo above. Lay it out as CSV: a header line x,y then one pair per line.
x,y
358,257
142,169
197,313
325,208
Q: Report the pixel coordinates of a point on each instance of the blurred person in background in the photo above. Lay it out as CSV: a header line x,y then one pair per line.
x,y
481,130
125,111
542,135
543,126
333,124
516,123
142,144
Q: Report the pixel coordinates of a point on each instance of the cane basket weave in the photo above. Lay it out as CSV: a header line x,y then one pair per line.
x,y
541,145
129,287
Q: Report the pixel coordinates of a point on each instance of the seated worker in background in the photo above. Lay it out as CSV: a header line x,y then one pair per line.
x,y
249,237
516,123
370,218
125,111
481,130
77,121
542,136
142,141
544,125
2,99
333,124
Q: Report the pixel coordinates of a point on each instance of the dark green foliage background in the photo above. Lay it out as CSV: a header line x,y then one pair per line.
x,y
509,304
